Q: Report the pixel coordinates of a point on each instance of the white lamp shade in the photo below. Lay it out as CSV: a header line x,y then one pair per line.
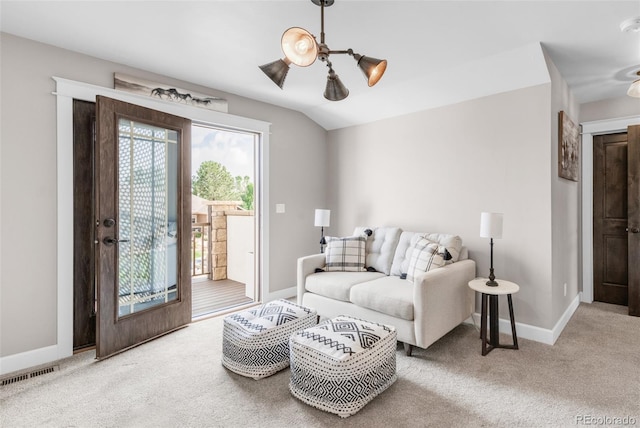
x,y
323,218
491,225
634,89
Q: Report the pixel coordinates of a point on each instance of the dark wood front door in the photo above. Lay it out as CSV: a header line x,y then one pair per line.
x,y
610,252
633,226
143,219
616,219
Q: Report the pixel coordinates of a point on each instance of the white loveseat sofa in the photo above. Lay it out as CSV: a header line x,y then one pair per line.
x,y
422,310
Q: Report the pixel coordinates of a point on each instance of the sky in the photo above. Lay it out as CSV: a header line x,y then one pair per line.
x,y
234,150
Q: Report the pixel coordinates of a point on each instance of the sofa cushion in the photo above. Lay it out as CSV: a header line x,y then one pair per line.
x,y
337,285
425,256
388,294
452,243
345,254
380,246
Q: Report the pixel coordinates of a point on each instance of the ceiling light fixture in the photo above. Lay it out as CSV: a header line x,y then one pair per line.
x,y
301,48
631,24
634,89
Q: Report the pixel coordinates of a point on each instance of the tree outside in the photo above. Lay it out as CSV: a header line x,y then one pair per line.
x,y
247,197
244,187
214,182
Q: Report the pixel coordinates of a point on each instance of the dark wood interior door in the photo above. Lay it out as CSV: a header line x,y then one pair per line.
x,y
84,295
143,197
633,226
610,207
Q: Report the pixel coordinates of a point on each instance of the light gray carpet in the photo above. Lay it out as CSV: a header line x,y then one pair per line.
x,y
178,381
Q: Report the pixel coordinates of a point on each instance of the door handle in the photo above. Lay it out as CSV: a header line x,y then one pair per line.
x,y
109,241
633,230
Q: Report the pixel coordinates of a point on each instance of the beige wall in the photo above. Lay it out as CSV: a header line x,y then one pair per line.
x,y
437,170
612,108
565,205
28,183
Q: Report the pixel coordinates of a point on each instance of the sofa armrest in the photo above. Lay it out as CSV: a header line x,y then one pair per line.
x,y
306,266
442,300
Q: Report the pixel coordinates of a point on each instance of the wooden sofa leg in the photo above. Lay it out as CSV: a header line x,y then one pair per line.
x,y
407,349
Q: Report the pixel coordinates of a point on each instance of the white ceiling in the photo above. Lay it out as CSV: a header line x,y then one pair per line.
x,y
439,52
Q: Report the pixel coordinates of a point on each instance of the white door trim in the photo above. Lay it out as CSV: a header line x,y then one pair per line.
x,y
589,130
66,91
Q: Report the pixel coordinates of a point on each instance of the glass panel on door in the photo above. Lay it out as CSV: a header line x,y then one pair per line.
x,y
147,213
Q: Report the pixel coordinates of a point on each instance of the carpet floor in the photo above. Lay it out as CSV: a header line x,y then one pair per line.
x,y
591,376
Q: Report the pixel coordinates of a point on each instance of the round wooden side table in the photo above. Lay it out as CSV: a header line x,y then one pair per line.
x,y
491,294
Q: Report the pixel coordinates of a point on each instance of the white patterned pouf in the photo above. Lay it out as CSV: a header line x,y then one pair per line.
x,y
342,363
255,343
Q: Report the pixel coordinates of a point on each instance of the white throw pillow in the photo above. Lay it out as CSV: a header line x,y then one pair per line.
x,y
345,254
380,246
425,256
451,243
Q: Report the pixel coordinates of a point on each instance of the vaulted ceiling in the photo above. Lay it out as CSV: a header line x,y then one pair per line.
x,y
438,51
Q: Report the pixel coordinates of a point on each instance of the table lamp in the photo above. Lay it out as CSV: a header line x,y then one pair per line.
x,y
323,218
491,227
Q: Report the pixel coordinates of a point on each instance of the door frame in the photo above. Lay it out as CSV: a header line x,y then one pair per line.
x,y
68,90
589,130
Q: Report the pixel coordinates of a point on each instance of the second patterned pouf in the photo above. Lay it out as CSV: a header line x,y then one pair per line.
x,y
255,343
343,363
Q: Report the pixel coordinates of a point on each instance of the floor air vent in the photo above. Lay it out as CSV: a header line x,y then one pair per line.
x,y
25,376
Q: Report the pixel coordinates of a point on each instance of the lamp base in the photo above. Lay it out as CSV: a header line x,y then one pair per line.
x,y
492,278
323,241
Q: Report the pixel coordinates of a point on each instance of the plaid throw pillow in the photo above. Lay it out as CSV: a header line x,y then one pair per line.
x,y
345,254
424,257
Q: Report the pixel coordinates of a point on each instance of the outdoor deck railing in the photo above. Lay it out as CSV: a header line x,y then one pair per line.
x,y
200,235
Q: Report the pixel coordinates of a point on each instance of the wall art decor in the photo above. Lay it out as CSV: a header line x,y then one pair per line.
x,y
139,86
568,148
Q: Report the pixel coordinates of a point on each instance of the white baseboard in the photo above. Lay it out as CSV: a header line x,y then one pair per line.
x,y
531,332
585,297
280,294
49,354
25,360
566,316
